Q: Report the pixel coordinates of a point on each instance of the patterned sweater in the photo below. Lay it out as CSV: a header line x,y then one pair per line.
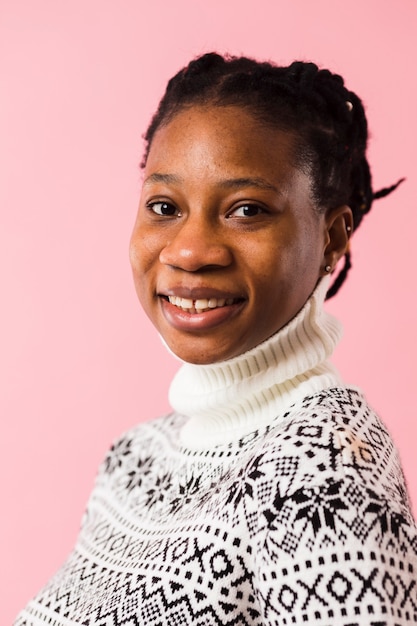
x,y
272,495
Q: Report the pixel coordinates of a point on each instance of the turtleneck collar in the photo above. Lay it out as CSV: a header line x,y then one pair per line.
x,y
230,399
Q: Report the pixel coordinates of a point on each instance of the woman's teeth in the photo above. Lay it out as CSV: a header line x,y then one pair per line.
x,y
201,305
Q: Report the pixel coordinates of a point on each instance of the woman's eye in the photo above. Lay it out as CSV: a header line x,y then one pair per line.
x,y
247,210
163,208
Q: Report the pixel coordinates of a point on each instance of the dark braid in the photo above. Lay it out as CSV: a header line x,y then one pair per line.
x,y
328,122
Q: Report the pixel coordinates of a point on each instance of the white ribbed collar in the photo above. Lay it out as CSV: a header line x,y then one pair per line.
x,y
230,399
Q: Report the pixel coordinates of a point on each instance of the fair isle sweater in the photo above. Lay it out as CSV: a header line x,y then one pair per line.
x,y
272,495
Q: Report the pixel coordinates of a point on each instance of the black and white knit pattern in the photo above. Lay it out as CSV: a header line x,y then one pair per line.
x,y
304,521
271,496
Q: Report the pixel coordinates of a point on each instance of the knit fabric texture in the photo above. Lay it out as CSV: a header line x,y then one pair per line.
x,y
272,495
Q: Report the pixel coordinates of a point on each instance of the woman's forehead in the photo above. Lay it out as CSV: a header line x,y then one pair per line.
x,y
229,133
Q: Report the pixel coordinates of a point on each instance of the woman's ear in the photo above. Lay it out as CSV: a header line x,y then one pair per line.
x,y
339,227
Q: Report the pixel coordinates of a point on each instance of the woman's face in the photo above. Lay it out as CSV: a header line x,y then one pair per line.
x,y
227,246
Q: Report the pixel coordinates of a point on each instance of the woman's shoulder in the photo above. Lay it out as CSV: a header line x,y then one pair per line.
x,y
332,437
328,470
339,423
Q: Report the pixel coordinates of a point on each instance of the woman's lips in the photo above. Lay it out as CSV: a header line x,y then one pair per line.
x,y
200,313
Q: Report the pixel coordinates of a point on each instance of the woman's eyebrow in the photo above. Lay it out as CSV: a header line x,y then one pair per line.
x,y
162,178
228,183
239,183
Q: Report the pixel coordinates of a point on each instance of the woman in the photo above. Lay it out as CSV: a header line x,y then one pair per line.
x,y
272,494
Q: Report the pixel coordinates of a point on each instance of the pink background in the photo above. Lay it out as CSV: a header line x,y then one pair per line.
x,y
79,363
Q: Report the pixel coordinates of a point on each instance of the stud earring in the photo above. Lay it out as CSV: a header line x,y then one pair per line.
x,y
328,268
348,228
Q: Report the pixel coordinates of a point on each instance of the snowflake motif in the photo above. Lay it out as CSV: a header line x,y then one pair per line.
x,y
186,492
138,474
116,454
159,493
389,521
320,506
244,484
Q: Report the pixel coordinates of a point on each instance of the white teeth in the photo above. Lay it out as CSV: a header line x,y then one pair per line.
x,y
183,303
200,305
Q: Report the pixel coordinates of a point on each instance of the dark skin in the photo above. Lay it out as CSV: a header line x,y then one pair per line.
x,y
228,244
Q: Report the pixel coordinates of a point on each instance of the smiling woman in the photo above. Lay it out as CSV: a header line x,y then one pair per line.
x,y
221,197
272,494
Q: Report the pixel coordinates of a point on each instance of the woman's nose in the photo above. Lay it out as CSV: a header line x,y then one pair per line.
x,y
196,245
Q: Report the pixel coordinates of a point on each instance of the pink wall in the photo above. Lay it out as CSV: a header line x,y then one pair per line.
x,y
79,363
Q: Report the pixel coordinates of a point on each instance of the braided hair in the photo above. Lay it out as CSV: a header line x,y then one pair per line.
x,y
328,121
